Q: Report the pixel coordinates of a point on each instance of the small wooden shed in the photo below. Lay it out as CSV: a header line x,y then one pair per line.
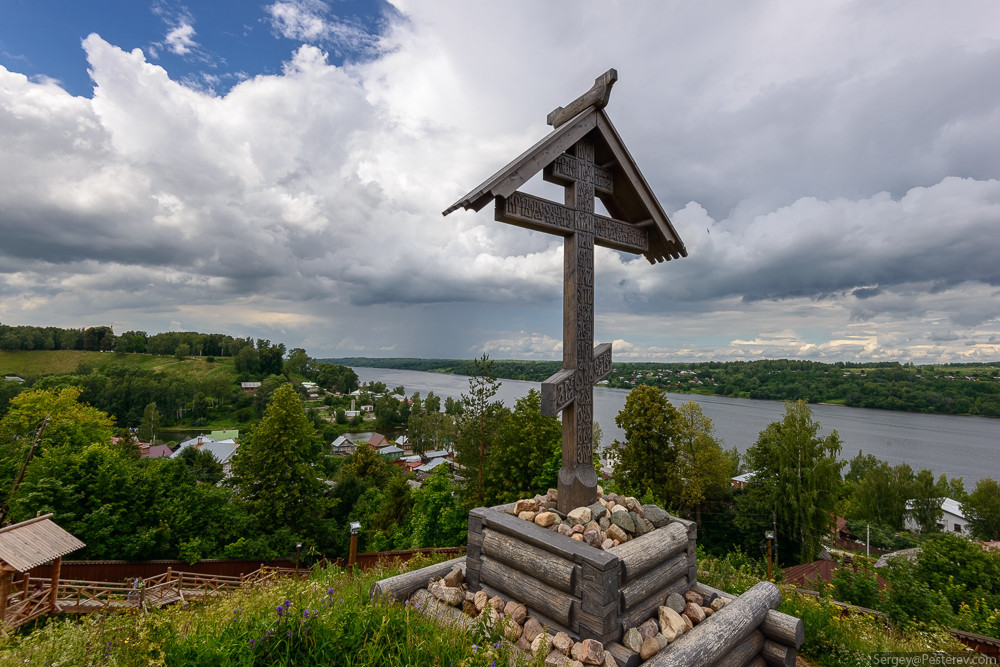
x,y
24,546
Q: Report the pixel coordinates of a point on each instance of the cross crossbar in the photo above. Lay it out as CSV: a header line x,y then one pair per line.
x,y
542,215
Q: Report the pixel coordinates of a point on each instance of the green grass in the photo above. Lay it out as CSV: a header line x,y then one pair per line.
x,y
343,628
831,638
35,363
340,628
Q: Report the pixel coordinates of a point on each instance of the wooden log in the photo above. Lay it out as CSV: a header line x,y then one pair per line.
x,y
598,587
757,662
779,627
719,634
690,526
743,652
784,629
776,654
624,656
551,541
403,585
642,554
552,602
541,564
439,611
654,581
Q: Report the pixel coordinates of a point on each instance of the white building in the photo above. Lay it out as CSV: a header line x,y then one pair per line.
x,y
952,518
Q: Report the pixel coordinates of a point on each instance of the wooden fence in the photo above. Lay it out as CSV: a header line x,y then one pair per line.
x,y
89,586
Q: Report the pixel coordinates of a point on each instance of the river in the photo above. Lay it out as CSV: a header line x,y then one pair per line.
x,y
966,447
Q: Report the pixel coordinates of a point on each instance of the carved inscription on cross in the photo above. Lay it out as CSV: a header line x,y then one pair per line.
x,y
571,390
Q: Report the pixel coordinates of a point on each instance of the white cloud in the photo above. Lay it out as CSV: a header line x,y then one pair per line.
x,y
313,22
180,39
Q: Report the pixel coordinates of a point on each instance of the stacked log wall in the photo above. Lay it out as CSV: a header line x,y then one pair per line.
x,y
587,592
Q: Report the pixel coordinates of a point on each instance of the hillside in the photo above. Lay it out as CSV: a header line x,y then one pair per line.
x,y
36,363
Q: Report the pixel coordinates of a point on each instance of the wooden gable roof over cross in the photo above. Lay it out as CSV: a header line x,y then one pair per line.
x,y
619,184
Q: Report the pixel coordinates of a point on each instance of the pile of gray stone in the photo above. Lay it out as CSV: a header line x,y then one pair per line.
x,y
610,521
679,615
511,619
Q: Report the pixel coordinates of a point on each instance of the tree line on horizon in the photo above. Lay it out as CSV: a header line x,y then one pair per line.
x,y
959,389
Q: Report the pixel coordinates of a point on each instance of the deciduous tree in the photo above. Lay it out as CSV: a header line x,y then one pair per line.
x,y
797,480
704,468
982,509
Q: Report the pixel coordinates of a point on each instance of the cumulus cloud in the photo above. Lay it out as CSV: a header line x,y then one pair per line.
x,y
832,208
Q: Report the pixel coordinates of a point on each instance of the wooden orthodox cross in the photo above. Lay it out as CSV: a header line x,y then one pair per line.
x,y
569,158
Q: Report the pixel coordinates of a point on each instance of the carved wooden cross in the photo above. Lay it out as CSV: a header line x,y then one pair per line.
x,y
571,390
581,133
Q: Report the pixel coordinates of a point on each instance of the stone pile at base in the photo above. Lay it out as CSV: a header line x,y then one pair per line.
x,y
611,521
748,633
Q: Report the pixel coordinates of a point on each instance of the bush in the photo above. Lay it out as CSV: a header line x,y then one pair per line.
x,y
858,586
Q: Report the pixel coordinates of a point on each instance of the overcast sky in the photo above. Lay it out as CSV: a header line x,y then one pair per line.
x,y
278,170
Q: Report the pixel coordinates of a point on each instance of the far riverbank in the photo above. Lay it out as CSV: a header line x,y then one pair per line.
x,y
958,446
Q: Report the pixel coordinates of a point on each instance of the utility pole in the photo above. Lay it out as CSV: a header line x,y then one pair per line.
x,y
774,527
868,539
769,535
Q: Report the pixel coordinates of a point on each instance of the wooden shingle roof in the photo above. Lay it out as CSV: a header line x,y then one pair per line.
x,y
35,542
631,201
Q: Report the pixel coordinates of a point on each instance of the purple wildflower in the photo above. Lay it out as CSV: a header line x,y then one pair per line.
x,y
281,610
288,603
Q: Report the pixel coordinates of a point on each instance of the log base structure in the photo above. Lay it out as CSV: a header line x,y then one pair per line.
x,y
571,586
589,593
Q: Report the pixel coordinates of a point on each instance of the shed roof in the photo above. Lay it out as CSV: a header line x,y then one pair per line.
x,y
430,465
632,201
34,542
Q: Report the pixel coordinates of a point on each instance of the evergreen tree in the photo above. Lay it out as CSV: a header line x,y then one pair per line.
x,y
477,429
275,471
527,453
646,463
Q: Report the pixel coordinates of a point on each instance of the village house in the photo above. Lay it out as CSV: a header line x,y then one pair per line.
x,y
952,518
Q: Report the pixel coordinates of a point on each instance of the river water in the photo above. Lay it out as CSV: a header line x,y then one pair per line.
x,y
966,447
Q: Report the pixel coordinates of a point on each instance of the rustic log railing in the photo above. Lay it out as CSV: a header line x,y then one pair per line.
x,y
33,596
